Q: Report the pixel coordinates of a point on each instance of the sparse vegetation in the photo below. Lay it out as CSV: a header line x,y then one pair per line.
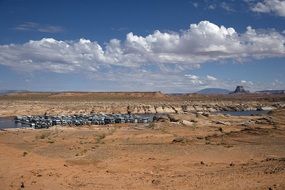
x,y
81,153
100,137
43,135
25,154
151,125
51,141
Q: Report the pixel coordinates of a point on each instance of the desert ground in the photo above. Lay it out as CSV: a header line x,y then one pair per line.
x,y
191,146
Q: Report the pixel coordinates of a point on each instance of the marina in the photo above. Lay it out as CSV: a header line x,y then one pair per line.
x,y
45,121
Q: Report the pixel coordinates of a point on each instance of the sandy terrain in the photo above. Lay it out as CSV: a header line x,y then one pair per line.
x,y
183,151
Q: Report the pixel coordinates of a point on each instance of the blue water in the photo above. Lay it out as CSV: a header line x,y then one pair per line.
x,y
8,122
244,113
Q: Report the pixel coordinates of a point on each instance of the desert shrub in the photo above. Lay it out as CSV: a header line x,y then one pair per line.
x,y
25,153
100,137
43,135
151,125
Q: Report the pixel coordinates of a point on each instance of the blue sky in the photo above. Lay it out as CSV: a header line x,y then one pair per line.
x,y
150,45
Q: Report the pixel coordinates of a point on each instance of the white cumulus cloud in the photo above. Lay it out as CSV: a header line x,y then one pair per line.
x,y
167,51
194,79
270,6
209,77
247,83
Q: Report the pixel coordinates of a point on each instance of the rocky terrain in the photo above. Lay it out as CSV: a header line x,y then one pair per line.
x,y
152,102
190,147
13,108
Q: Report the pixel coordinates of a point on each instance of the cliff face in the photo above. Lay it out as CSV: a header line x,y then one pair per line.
x,y
13,108
131,102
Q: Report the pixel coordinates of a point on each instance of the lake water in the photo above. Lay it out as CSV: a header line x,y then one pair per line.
x,y
8,122
244,113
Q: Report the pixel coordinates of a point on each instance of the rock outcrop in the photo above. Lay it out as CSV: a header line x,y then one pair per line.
x,y
240,89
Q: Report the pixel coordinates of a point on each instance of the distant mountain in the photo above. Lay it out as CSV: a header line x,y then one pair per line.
x,y
4,92
271,92
213,91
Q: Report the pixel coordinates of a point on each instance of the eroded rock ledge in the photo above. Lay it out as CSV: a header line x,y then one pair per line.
x,y
13,108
